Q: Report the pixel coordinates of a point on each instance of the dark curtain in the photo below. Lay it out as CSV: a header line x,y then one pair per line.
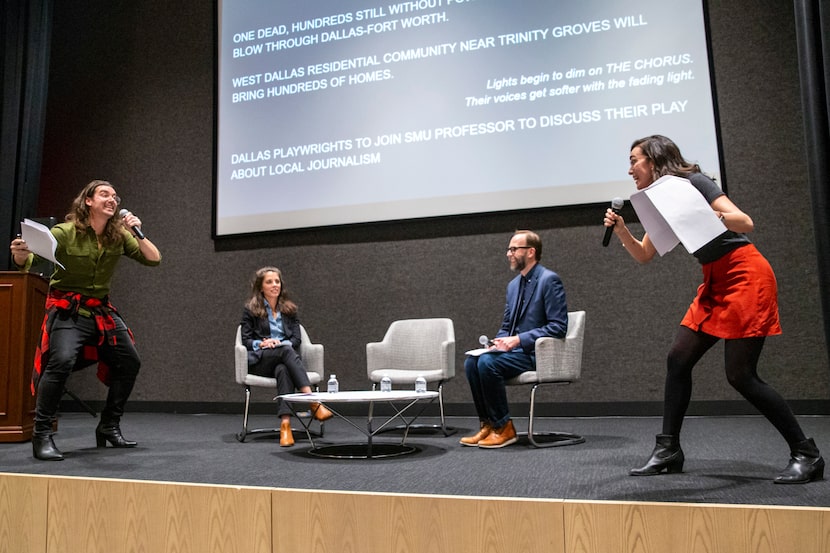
x,y
812,20
25,31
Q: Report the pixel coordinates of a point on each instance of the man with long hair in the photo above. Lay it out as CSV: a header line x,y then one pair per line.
x,y
81,326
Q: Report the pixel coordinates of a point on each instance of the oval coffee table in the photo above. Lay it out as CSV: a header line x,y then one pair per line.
x,y
403,403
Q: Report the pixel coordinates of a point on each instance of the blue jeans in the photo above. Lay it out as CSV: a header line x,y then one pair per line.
x,y
486,375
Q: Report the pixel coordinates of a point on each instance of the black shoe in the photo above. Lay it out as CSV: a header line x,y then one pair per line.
x,y
111,432
44,448
805,465
667,456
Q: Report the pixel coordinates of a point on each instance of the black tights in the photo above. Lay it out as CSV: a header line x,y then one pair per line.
x,y
741,363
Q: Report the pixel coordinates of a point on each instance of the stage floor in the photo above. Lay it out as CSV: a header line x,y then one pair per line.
x,y
730,460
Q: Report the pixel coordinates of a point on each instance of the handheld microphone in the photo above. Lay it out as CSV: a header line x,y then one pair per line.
x,y
484,341
136,230
616,206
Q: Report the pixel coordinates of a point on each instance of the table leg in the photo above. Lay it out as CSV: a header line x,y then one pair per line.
x,y
369,433
399,414
306,425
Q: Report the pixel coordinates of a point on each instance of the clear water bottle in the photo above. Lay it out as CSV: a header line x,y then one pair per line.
x,y
385,384
420,384
333,387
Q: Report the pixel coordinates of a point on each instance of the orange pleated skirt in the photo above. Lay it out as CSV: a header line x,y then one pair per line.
x,y
738,297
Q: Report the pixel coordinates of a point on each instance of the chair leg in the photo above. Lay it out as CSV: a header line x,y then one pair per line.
x,y
81,402
448,430
245,432
552,439
242,435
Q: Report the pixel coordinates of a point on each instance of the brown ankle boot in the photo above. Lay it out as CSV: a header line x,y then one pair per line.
x,y
286,435
478,436
500,437
321,412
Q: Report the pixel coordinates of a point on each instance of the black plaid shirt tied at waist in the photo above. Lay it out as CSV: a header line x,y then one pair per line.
x,y
101,310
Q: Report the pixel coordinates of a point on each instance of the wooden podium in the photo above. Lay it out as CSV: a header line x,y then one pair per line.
x,y
22,301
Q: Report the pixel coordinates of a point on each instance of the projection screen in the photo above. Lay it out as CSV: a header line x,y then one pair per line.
x,y
349,111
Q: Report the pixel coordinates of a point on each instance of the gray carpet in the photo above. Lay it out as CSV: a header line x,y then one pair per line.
x,y
728,459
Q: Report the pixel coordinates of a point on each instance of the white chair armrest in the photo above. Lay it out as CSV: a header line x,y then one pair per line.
x,y
240,363
448,359
379,355
312,355
560,359
551,365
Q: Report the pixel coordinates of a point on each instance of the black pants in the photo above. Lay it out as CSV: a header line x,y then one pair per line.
x,y
284,364
68,336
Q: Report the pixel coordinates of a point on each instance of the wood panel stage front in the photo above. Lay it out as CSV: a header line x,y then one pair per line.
x,y
48,514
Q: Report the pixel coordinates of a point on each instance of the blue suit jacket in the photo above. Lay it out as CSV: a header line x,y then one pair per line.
x,y
544,313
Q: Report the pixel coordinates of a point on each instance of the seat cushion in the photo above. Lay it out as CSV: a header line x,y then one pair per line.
x,y
261,381
400,376
527,377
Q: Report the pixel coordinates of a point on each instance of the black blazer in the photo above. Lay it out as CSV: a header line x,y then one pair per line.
x,y
257,328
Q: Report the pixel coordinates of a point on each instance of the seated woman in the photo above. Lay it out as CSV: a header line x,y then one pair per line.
x,y
271,333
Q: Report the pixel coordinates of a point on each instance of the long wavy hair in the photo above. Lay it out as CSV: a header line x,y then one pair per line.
x,y
666,156
79,215
256,301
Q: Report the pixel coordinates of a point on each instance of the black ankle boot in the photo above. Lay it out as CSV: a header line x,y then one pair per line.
x,y
805,464
44,448
110,431
667,456
49,392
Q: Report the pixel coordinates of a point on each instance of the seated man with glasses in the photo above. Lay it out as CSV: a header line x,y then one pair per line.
x,y
535,307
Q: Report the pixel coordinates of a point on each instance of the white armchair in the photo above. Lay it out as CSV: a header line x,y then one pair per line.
x,y
312,356
413,348
558,361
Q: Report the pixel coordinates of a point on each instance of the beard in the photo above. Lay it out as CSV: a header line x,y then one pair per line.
x,y
518,264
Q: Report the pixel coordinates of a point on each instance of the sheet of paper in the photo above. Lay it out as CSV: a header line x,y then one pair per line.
x,y
672,211
660,232
479,351
39,240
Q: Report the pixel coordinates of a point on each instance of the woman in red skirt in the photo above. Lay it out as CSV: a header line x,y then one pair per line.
x,y
737,302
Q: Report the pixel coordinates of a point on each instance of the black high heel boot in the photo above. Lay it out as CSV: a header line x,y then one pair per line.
x,y
805,464
49,394
44,448
667,456
110,431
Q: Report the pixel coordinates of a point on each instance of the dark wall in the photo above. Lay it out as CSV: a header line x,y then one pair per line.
x,y
131,101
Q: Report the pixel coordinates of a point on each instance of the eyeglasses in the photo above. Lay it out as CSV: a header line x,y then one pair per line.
x,y
115,197
512,249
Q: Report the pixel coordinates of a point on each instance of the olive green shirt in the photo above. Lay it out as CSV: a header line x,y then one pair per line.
x,y
88,269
